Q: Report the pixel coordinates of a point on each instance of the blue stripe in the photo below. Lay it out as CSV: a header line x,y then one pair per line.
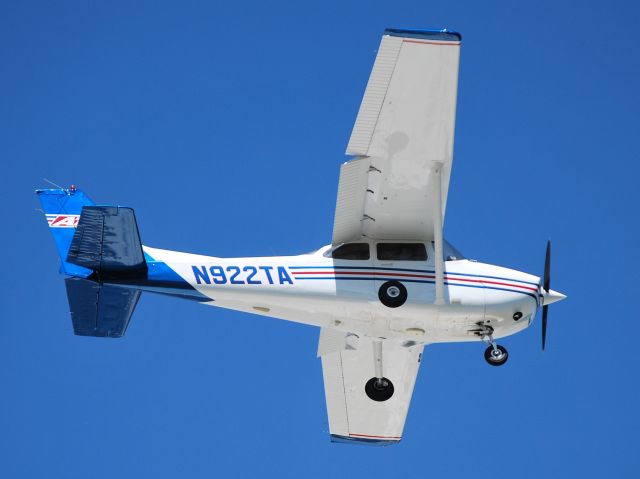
x,y
422,281
414,271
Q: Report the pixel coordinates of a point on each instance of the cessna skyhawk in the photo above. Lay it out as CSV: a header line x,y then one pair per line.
x,y
386,286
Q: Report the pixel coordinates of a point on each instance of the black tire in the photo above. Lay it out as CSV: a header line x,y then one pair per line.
x,y
392,294
379,392
493,359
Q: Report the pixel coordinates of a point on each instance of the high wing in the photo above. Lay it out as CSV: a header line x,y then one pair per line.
x,y
402,137
347,365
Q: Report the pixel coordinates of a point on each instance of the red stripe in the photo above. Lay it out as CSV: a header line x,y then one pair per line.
x,y
375,437
408,275
490,282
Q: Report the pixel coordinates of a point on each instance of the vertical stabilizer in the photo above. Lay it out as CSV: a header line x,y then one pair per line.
x,y
62,208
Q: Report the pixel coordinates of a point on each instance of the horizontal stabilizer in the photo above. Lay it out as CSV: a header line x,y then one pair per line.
x,y
100,310
107,241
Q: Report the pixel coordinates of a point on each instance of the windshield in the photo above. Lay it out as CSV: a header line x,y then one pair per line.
x,y
451,253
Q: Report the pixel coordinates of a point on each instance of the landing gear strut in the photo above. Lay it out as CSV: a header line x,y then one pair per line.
x,y
378,388
495,354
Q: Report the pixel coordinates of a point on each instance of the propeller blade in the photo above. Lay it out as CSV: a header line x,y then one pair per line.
x,y
546,285
547,268
545,310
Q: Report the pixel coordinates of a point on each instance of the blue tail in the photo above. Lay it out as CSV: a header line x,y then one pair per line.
x,y
62,208
100,248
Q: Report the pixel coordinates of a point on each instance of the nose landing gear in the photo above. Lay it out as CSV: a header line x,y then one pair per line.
x,y
495,354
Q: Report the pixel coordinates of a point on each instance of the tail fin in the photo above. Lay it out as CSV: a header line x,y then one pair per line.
x,y
101,244
62,208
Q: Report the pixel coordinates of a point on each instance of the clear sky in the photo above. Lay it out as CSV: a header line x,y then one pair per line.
x,y
224,125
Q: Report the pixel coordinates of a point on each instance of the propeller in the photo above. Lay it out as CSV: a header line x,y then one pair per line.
x,y
546,286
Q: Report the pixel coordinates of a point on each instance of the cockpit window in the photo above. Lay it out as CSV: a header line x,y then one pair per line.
x,y
402,252
451,253
356,251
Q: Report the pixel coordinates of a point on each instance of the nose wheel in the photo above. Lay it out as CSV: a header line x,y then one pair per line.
x,y
496,355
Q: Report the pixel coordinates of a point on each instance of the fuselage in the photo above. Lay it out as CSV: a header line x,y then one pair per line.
x,y
320,290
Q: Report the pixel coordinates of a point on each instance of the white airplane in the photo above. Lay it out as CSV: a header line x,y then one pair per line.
x,y
387,285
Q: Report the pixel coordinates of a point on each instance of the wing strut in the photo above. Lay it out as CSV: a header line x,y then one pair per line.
x,y
377,358
437,232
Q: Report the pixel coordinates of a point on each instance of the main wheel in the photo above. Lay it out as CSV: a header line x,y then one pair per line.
x,y
392,294
496,358
379,389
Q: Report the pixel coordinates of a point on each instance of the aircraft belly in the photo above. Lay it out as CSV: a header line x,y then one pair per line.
x,y
322,307
304,309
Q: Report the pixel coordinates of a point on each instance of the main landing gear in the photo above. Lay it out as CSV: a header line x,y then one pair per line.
x,y
495,354
378,388
392,294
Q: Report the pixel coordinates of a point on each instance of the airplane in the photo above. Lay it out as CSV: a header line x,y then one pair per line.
x,y
387,285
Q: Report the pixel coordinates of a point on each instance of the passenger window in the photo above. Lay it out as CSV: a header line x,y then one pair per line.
x,y
359,251
402,252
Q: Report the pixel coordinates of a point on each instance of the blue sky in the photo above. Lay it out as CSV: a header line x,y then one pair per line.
x,y
224,125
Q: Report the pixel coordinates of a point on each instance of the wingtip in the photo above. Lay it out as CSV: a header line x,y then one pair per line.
x,y
425,33
337,438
